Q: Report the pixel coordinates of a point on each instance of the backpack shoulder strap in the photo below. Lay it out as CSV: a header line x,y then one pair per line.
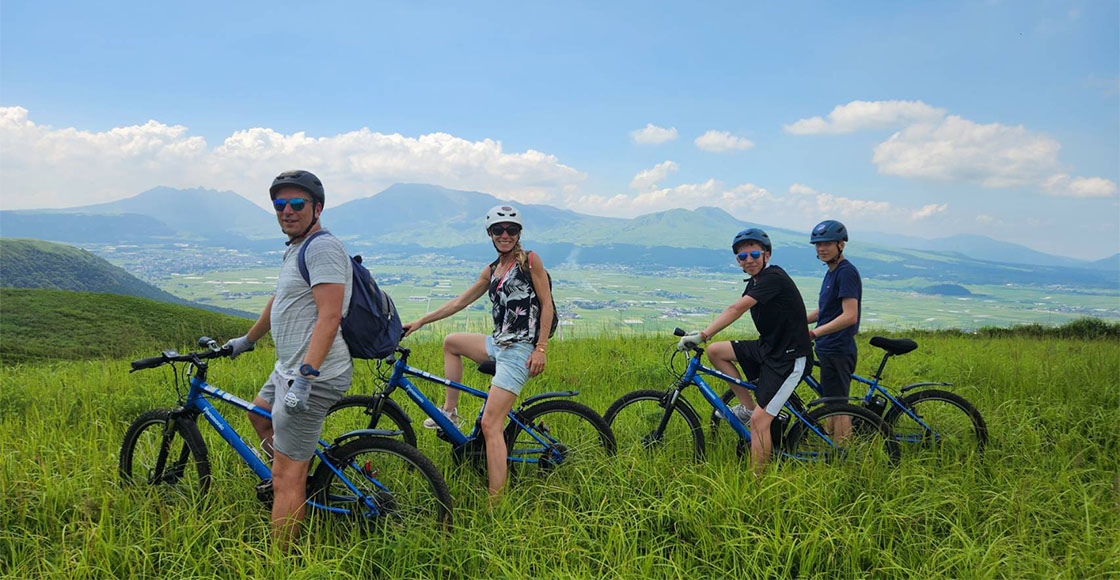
x,y
301,260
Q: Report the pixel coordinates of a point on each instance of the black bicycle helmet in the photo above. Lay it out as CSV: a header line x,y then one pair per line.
x,y
752,235
304,180
829,231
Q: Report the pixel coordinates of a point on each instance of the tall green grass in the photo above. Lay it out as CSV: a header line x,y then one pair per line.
x,y
1043,503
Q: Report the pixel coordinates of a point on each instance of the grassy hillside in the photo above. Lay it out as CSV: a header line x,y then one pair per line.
x,y
37,324
38,264
29,263
1043,503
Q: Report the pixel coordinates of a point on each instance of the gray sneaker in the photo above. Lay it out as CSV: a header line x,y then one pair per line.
x,y
453,414
742,413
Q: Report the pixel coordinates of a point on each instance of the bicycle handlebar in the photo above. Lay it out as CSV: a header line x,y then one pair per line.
x,y
169,356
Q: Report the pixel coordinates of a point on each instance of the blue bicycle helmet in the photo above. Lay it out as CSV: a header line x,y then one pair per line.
x,y
752,235
829,231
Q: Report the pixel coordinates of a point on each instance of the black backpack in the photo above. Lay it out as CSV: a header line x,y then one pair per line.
x,y
372,328
555,314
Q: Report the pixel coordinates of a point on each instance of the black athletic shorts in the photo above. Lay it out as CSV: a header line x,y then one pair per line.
x,y
836,374
775,379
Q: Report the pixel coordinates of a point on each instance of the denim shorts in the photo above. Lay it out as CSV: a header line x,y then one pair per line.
x,y
296,435
511,373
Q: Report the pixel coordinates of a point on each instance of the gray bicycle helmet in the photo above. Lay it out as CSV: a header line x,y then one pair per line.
x,y
304,180
752,235
829,231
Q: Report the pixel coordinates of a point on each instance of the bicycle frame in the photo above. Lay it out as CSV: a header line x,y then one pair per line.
x,y
873,387
456,437
692,376
196,400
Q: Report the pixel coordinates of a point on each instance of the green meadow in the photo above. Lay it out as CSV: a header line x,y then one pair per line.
x,y
634,301
1043,502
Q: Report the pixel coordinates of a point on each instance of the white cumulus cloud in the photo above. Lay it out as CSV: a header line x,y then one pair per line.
x,y
651,177
722,141
931,144
653,135
929,210
47,167
1062,184
864,115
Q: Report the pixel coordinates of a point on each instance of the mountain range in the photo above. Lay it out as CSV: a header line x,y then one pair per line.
x,y
419,218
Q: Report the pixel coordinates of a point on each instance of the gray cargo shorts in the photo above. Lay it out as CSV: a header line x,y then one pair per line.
x,y
297,435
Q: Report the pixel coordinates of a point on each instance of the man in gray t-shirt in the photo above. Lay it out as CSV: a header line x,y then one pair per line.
x,y
313,366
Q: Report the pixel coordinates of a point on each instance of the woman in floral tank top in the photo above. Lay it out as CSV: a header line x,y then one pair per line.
x,y
522,305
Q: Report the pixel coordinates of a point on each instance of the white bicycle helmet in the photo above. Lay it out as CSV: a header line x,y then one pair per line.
x,y
503,214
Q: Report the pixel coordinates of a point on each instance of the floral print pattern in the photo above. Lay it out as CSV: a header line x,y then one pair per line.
x,y
515,308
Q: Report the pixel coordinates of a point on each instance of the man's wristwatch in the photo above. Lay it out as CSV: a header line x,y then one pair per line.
x,y
308,370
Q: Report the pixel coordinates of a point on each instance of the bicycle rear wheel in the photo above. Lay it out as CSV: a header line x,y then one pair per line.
x,y
354,412
380,480
558,432
634,418
164,451
949,423
842,432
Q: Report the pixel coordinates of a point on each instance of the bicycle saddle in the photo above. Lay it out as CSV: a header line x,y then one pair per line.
x,y
895,346
488,368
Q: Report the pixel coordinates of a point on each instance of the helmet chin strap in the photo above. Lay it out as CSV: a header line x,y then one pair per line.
x,y
836,260
292,239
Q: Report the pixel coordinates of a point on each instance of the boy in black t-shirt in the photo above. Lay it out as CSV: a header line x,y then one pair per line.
x,y
776,361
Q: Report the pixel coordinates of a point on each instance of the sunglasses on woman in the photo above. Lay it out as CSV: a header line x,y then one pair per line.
x,y
297,204
753,254
497,229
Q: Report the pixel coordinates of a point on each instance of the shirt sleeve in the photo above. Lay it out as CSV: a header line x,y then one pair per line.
x,y
849,284
327,262
765,289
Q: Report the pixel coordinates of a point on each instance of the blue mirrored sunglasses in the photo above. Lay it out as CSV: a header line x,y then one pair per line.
x,y
753,254
297,204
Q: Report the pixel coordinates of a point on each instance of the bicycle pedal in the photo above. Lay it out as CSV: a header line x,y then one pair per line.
x,y
264,491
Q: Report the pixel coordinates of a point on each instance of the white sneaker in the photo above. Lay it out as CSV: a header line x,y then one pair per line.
x,y
453,414
742,413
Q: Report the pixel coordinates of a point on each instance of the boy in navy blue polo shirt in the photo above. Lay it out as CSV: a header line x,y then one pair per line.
x,y
837,315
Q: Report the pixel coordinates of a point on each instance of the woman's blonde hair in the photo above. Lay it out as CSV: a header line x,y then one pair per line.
x,y
521,256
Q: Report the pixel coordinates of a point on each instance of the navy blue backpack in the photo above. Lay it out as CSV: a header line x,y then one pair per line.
x,y
372,327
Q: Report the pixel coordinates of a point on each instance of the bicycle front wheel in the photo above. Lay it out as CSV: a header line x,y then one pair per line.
x,y
836,432
636,416
164,451
377,479
941,420
558,432
355,412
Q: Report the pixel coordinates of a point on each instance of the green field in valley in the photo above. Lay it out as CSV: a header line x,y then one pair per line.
x,y
592,300
1044,502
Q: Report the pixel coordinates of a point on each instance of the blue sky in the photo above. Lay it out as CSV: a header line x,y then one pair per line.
x,y
998,118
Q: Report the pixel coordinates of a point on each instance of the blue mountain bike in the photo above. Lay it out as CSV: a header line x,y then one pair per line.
x,y
921,415
545,431
666,420
367,475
